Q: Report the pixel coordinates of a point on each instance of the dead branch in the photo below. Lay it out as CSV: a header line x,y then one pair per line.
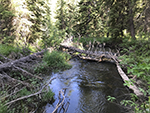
x,y
9,65
34,94
125,78
59,104
7,59
1,62
27,73
4,97
12,80
95,56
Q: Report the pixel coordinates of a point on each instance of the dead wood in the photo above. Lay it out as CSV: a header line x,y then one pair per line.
x,y
4,97
26,73
12,80
125,78
5,58
14,65
96,56
34,94
59,104
9,65
132,86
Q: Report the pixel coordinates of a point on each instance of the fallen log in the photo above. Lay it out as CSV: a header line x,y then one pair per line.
x,y
109,56
24,59
125,78
12,64
96,56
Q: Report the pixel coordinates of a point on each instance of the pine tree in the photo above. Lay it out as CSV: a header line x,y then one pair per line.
x,y
6,24
88,19
37,17
61,14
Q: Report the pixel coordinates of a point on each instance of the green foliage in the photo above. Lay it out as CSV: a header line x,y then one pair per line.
x,y
3,108
88,19
110,98
128,83
7,49
48,96
86,40
137,61
55,61
53,37
6,17
24,92
40,13
138,108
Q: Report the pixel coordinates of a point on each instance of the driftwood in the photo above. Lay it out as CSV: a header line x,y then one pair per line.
x,y
96,56
125,79
34,94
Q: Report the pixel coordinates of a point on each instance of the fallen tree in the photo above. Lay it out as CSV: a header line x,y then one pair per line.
x,y
90,55
101,56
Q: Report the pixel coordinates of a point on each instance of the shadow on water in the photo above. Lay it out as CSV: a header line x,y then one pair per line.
x,y
87,86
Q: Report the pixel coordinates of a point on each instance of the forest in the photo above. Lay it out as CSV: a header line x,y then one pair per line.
x,y
34,42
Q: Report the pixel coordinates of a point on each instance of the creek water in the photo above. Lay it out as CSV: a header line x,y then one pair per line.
x,y
87,85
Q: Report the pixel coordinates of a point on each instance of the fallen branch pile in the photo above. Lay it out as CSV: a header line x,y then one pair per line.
x,y
34,94
16,66
18,75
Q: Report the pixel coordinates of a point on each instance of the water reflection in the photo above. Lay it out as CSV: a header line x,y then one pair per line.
x,y
87,85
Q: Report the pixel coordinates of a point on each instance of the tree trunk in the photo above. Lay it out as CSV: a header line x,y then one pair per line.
x,y
131,22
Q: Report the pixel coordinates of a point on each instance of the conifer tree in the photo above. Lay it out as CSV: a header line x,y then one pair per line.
x,y
6,24
61,14
88,19
37,17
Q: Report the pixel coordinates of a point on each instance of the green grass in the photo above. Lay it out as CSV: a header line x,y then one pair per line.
x,y
54,61
7,49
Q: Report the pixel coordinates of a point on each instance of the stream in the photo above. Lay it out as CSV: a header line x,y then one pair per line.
x,y
87,85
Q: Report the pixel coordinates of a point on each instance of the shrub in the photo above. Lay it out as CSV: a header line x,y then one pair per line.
x,y
55,61
7,49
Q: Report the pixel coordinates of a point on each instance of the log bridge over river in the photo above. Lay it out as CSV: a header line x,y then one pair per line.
x,y
100,56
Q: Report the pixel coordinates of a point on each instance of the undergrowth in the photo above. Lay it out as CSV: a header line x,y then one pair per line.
x,y
53,61
137,61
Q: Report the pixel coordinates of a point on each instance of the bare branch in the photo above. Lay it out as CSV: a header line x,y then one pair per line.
x,y
28,96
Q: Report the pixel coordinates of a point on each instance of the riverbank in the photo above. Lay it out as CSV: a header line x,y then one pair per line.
x,y
21,80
